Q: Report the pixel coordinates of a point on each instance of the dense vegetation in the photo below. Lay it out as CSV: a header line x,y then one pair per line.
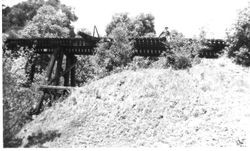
x,y
39,18
239,38
32,18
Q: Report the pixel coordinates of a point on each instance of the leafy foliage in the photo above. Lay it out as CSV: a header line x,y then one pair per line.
x,y
84,69
181,52
110,55
239,38
47,23
119,20
144,24
17,100
33,18
17,17
115,55
243,56
52,20
141,25
141,63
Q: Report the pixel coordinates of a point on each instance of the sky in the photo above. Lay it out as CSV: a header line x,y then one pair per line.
x,y
185,16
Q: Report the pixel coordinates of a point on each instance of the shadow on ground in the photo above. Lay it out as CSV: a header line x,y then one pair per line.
x,y
40,138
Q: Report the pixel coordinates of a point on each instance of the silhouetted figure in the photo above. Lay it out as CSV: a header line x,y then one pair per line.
x,y
165,33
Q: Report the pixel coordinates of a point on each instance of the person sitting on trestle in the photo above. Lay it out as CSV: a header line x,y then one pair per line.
x,y
165,34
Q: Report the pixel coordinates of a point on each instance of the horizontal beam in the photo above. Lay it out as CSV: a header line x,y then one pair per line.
x,y
84,50
44,87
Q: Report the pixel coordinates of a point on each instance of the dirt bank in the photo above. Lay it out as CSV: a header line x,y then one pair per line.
x,y
207,105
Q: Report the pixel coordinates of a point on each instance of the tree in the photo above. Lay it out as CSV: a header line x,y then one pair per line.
x,y
16,17
71,17
239,37
5,20
144,24
33,18
47,23
112,55
17,100
177,39
119,20
40,19
141,25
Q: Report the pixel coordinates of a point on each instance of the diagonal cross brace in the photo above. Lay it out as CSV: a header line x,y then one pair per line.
x,y
63,73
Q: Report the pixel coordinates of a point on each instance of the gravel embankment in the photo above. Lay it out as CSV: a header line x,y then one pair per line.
x,y
207,105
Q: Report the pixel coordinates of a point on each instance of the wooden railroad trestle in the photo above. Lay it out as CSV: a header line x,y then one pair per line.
x,y
70,47
68,74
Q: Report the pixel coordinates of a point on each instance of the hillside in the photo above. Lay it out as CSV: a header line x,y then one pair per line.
x,y
207,105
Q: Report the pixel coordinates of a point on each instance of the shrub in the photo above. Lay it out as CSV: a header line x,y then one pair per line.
x,y
17,100
181,62
85,71
115,55
182,52
243,56
239,38
141,25
174,60
140,63
110,55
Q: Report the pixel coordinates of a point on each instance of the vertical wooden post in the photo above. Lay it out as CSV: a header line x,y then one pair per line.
x,y
51,64
41,58
73,71
30,69
32,72
66,76
58,67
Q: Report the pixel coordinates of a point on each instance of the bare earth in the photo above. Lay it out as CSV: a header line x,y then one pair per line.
x,y
207,105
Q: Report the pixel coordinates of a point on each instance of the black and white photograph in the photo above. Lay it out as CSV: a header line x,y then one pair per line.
x,y
134,74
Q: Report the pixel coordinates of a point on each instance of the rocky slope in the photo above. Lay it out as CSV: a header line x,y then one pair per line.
x,y
207,105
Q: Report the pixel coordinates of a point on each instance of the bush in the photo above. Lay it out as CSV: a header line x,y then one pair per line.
x,y
181,62
116,55
239,38
141,25
85,71
182,54
243,56
17,100
140,63
110,55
